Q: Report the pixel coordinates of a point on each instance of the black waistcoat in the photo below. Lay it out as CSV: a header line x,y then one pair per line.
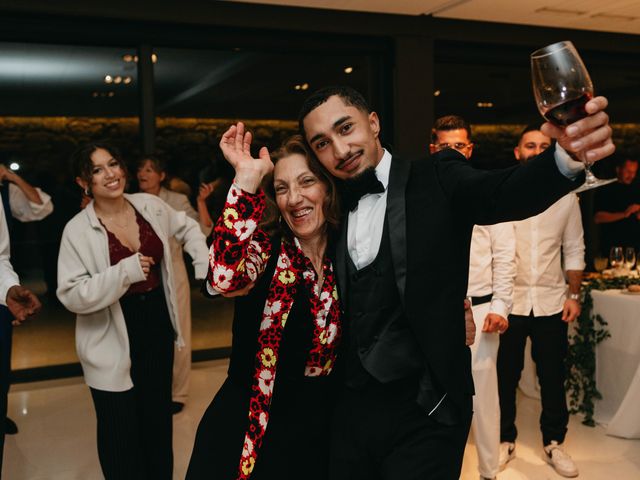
x,y
380,343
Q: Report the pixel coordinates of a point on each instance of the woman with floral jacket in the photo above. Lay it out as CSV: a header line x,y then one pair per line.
x,y
271,417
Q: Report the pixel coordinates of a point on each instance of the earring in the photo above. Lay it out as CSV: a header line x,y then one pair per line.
x,y
86,191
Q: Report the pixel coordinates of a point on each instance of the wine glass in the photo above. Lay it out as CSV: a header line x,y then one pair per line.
x,y
629,257
562,87
616,257
600,263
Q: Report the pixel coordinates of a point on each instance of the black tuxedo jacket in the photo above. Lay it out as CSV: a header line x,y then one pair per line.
x,y
432,205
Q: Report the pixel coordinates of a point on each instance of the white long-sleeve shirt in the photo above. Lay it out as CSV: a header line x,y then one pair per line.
x,y
8,278
543,244
492,265
23,209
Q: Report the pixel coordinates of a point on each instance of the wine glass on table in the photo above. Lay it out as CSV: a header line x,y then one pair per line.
x,y
616,257
562,87
629,257
600,264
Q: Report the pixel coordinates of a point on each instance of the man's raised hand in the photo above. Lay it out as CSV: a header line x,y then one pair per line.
x,y
588,139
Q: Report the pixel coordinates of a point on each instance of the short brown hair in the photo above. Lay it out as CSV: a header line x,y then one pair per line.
x,y
447,123
331,208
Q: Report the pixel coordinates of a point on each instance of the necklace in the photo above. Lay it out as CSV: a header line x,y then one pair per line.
x,y
112,218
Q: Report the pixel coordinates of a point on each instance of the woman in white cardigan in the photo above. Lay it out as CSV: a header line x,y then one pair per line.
x,y
115,272
151,174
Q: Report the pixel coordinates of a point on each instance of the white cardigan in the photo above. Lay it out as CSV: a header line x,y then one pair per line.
x,y
90,287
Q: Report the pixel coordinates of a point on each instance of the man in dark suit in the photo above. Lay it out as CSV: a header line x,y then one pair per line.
x,y
402,263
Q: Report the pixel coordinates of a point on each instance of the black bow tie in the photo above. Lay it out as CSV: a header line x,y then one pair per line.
x,y
354,189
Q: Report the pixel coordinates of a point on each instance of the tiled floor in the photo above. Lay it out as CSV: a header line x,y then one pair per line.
x,y
57,436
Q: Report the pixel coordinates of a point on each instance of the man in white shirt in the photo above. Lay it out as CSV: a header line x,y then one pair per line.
x,y
16,304
402,263
543,306
25,203
491,273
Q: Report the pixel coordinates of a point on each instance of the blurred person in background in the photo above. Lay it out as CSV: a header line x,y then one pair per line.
x,y
151,174
617,208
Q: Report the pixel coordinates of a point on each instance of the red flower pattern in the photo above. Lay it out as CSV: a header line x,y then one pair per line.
x,y
238,256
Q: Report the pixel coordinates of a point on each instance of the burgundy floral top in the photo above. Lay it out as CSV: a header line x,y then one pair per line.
x,y
238,256
150,246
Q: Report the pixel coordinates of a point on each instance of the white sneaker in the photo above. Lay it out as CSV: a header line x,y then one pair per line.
x,y
507,453
560,460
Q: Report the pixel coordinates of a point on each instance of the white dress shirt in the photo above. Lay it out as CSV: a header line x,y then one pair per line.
x,y
8,278
543,244
492,265
366,222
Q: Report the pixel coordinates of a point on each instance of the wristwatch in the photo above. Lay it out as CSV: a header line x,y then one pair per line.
x,y
574,296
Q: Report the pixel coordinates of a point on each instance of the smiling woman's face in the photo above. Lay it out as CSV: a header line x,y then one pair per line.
x,y
108,178
300,196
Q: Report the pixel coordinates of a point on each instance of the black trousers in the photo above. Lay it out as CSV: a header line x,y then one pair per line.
x,y
135,429
6,330
380,432
548,349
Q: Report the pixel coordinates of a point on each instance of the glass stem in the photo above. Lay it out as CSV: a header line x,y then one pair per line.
x,y
590,178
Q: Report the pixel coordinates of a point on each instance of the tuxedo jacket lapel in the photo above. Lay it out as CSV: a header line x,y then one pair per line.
x,y
397,220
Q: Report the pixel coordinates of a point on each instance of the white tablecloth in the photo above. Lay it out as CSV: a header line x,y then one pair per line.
x,y
618,363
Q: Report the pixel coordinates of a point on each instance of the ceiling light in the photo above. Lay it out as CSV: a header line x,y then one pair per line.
x,y
437,93
484,104
94,94
304,86
154,58
14,166
110,94
297,87
127,80
348,70
135,58
127,58
108,79
117,79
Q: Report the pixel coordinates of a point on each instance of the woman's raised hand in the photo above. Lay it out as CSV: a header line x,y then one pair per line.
x,y
236,147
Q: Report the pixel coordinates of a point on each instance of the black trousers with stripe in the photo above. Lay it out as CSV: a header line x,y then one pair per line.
x,y
135,430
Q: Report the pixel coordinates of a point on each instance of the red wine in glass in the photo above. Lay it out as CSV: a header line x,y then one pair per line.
x,y
562,87
568,112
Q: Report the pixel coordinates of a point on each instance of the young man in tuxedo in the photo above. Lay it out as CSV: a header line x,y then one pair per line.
x,y
402,263
492,270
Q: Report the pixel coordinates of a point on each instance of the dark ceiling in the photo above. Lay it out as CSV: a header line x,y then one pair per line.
x,y
63,80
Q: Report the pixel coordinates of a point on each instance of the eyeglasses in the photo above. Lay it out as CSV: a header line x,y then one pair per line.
x,y
457,146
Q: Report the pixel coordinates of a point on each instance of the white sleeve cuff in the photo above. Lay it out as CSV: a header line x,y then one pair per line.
x,y
569,167
499,307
